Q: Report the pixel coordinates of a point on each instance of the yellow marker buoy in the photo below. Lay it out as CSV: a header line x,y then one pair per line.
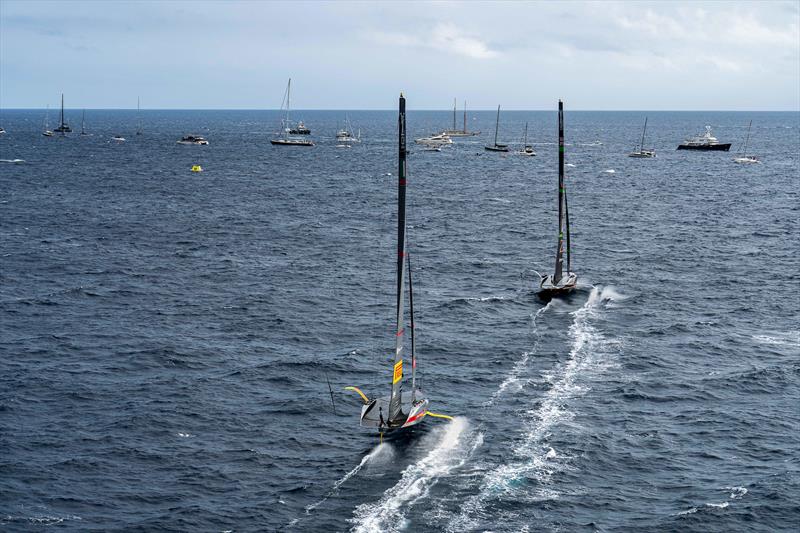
x,y
197,168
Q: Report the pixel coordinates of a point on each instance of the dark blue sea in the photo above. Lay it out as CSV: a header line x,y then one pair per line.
x,y
166,336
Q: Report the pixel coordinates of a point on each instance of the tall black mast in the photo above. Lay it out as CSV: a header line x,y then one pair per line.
x,y
560,250
397,373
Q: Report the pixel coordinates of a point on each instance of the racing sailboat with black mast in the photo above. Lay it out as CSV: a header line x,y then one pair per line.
x,y
402,408
560,282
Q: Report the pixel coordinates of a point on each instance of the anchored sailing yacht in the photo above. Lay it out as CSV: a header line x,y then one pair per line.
x,y
460,133
744,158
643,152
345,135
83,124
138,117
46,126
400,409
496,147
706,142
559,282
63,128
527,149
286,129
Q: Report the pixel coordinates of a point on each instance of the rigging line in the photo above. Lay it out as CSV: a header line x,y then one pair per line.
x,y
330,389
437,415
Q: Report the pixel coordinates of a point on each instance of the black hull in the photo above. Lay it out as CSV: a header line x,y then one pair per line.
x,y
546,295
708,148
496,148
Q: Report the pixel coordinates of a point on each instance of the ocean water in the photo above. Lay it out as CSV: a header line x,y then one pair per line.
x,y
166,336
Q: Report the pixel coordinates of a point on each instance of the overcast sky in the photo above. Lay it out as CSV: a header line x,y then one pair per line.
x,y
359,55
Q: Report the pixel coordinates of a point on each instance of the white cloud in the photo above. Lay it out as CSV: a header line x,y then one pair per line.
x,y
443,37
450,38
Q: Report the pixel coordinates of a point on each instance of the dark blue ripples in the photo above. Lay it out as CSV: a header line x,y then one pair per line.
x,y
166,336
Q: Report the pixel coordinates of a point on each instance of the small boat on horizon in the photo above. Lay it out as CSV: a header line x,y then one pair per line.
x,y
744,158
345,135
118,138
643,152
705,142
497,147
284,138
527,149
560,282
193,139
300,129
463,132
435,140
138,117
63,128
46,124
83,124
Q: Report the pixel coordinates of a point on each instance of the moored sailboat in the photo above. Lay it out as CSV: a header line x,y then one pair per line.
x,y
63,128
744,158
138,117
83,124
643,152
456,132
46,125
497,147
401,409
527,149
285,138
560,282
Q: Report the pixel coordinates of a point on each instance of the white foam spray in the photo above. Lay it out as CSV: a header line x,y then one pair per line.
x,y
534,458
512,379
381,451
450,450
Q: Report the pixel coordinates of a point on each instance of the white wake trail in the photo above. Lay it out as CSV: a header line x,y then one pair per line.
x,y
533,457
512,379
449,452
382,450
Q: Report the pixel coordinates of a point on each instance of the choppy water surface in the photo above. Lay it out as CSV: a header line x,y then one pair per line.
x,y
166,335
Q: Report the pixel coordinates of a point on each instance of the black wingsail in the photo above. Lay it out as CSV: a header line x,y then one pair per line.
x,y
560,250
397,371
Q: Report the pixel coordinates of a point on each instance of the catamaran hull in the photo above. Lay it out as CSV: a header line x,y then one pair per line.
x,y
706,148
375,413
567,284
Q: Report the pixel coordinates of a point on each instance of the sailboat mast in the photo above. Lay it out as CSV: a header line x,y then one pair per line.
x,y
83,122
641,147
747,139
62,110
465,116
454,114
397,373
560,250
412,326
496,125
288,105
525,141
